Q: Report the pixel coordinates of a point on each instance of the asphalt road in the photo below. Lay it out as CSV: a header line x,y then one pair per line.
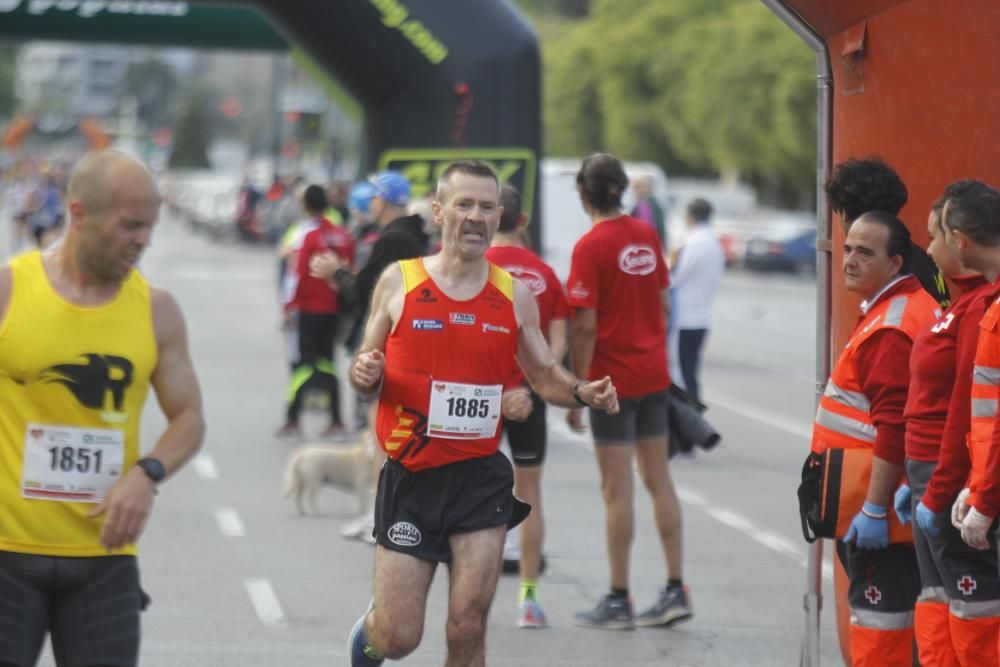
x,y
237,578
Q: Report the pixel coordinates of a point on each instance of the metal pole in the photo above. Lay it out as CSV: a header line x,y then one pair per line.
x,y
813,600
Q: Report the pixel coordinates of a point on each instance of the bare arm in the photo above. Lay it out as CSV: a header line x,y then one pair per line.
x,y
545,374
386,307
558,335
176,386
883,482
584,340
665,303
129,503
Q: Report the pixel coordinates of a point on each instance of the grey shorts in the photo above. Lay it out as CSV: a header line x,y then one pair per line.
x,y
638,418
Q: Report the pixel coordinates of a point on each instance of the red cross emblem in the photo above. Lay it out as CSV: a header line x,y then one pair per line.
x,y
966,584
873,594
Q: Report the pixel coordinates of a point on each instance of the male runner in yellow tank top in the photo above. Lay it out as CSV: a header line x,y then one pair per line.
x,y
82,336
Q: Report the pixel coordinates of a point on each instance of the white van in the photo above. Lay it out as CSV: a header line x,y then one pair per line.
x,y
563,219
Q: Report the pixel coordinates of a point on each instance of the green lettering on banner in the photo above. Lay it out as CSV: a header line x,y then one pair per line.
x,y
396,15
423,166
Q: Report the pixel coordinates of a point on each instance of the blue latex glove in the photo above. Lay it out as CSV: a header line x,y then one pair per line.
x,y
869,532
902,502
927,520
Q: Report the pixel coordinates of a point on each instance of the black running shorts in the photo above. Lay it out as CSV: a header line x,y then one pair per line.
x,y
90,607
528,438
639,418
417,512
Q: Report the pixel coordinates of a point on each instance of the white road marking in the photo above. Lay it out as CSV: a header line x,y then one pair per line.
x,y
768,539
205,466
265,602
796,427
229,522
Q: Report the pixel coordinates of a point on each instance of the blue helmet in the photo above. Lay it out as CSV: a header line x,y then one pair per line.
x,y
392,186
361,196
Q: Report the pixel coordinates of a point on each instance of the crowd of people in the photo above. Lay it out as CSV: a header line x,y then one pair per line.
x,y
35,202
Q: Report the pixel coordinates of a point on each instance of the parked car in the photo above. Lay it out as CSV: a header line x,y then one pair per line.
x,y
786,246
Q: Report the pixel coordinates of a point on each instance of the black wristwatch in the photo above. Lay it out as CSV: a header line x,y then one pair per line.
x,y
576,393
153,469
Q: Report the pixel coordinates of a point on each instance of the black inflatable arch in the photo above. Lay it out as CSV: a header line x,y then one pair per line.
x,y
436,80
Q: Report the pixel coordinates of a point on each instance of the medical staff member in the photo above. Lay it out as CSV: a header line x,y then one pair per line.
x,y
862,408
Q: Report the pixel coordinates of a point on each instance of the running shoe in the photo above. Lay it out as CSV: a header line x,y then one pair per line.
x,y
361,654
671,608
360,529
334,433
530,615
290,431
611,613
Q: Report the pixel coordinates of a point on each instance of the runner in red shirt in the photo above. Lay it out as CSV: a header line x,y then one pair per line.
x,y
950,625
318,308
618,286
449,326
524,410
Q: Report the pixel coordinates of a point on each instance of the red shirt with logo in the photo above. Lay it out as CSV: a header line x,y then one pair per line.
x,y
618,270
539,277
933,366
314,295
446,363
953,466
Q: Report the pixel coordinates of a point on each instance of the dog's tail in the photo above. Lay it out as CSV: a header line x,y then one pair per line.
x,y
293,476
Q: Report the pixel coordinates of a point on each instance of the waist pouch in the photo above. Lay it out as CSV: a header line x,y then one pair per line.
x,y
833,489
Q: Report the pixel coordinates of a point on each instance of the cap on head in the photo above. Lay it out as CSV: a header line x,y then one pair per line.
x,y
392,186
361,196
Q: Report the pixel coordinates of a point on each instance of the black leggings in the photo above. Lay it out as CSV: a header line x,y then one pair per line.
x,y
317,332
90,607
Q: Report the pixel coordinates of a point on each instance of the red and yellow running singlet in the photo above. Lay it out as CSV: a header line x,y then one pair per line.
x,y
446,363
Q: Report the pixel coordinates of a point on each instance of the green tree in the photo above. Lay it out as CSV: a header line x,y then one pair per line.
x,y
8,70
152,83
192,135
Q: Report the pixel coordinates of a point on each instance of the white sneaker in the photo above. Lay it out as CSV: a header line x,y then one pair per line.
x,y
360,528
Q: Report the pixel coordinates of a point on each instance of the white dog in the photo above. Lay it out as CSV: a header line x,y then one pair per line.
x,y
346,468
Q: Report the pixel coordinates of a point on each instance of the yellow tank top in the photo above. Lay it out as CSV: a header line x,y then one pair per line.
x,y
73,381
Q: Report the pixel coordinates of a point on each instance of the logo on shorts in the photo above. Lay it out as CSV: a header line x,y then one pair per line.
x,y
428,325
873,594
405,534
967,585
637,260
468,319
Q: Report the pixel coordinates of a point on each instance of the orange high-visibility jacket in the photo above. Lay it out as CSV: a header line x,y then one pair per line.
x,y
844,419
985,394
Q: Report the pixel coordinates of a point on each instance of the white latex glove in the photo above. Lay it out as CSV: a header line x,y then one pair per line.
x,y
959,509
975,529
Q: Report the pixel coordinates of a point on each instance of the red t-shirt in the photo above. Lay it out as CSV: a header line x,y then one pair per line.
x,y
437,344
618,270
932,375
539,277
314,295
952,471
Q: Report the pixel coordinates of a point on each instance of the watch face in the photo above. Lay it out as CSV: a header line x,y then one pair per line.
x,y
153,468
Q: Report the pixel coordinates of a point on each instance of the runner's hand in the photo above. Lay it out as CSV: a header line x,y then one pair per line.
x,y
574,417
368,369
324,265
126,509
516,404
601,395
976,528
960,508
